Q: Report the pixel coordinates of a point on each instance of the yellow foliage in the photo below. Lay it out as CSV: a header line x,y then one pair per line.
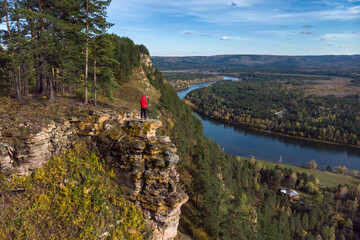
x,y
199,234
310,186
72,197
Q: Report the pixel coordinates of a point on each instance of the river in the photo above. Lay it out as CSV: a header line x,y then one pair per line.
x,y
246,142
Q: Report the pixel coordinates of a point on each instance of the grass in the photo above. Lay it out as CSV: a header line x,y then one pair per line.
x,y
129,94
328,179
18,120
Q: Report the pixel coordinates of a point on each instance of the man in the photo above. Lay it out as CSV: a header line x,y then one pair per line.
x,y
143,103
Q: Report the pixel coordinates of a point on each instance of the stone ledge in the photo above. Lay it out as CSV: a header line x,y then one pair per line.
x,y
145,162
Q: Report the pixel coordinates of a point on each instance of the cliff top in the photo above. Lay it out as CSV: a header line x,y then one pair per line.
x,y
18,120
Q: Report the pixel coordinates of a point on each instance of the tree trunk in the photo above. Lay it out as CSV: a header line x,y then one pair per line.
x,y
51,84
7,19
218,222
86,51
16,80
33,36
95,100
17,18
62,82
21,81
56,85
17,85
38,80
25,81
43,87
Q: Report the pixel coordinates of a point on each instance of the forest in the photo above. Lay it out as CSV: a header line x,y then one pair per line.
x,y
57,47
234,198
329,65
183,80
282,108
61,47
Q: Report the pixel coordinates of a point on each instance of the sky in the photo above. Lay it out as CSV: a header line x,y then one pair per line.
x,y
215,27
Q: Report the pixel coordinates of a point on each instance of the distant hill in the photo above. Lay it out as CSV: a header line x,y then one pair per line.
x,y
273,63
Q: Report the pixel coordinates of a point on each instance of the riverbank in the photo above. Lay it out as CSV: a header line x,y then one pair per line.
x,y
200,111
247,142
178,84
327,179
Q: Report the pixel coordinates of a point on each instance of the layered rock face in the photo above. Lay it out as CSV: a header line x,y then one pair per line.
x,y
145,59
144,163
37,149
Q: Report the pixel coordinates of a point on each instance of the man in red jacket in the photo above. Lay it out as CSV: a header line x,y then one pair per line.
x,y
143,103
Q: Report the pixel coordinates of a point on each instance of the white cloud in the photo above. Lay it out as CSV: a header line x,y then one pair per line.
x,y
242,39
340,36
334,14
237,38
342,14
185,23
279,33
225,12
308,26
306,32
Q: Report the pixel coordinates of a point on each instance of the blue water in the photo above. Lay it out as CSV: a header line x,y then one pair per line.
x,y
183,93
246,142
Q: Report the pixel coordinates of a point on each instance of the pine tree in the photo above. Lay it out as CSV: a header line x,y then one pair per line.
x,y
12,50
95,24
104,66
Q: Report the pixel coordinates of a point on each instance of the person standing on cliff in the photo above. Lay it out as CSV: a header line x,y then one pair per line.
x,y
143,103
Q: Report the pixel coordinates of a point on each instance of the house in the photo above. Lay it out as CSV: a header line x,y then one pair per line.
x,y
290,192
281,113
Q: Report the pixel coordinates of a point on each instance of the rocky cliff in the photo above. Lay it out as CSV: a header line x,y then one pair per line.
x,y
144,162
146,60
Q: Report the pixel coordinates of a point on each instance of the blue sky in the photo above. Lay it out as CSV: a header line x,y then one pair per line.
x,y
213,27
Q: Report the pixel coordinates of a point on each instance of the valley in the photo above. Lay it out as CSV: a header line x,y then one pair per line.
x,y
240,157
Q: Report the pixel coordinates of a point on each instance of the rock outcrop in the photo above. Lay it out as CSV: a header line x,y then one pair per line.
x,y
144,162
145,59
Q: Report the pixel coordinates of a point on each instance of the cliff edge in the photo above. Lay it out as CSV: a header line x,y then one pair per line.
x,y
144,162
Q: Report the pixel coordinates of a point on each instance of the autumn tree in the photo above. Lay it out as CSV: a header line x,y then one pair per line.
x,y
341,169
312,164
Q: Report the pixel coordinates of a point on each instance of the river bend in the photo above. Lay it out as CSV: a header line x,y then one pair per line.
x,y
246,142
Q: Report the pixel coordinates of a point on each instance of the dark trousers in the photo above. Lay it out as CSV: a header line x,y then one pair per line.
x,y
143,112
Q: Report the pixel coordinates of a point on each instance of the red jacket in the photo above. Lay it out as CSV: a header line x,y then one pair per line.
x,y
143,102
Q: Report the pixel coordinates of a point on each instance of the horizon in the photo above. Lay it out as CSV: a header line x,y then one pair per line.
x,y
276,55
246,27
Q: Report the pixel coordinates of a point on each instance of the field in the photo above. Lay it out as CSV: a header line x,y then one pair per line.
x,y
328,179
339,86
